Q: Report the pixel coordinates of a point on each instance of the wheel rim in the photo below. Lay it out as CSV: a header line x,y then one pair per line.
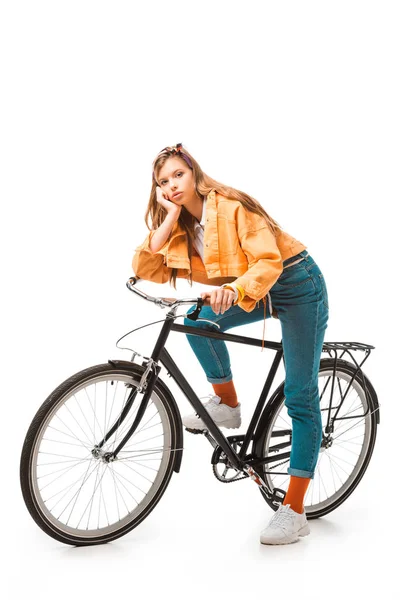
x,y
339,465
81,495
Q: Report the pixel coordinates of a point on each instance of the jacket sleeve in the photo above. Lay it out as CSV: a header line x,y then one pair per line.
x,y
151,265
264,258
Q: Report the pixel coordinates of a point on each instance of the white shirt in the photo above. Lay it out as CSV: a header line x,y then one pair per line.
x,y
199,232
198,242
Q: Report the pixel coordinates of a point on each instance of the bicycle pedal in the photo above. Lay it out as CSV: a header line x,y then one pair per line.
x,y
278,496
196,431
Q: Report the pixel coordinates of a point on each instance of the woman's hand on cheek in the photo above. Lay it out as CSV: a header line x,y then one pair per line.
x,y
220,299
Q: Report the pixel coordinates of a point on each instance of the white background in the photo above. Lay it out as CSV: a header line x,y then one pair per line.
x,y
295,103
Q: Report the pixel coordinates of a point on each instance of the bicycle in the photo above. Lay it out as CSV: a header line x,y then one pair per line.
x,y
102,448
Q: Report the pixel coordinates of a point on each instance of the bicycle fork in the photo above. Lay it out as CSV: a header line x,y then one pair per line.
x,y
147,383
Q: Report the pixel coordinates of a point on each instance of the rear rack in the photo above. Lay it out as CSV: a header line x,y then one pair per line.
x,y
347,345
332,348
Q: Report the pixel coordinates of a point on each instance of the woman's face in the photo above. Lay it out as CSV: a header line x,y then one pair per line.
x,y
176,176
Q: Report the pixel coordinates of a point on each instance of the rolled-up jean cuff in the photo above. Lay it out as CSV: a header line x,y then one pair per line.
x,y
219,379
300,473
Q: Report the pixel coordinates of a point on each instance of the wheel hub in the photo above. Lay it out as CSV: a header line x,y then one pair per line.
x,y
327,442
100,454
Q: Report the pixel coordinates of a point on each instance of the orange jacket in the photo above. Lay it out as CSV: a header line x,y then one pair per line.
x,y
238,247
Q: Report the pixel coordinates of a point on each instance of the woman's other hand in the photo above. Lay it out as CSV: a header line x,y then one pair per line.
x,y
220,299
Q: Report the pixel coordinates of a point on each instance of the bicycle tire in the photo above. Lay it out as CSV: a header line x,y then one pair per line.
x,y
129,373
271,413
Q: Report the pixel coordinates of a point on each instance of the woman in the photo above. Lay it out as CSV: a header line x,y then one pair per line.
x,y
207,232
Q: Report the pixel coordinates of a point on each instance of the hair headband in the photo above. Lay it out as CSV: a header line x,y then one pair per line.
x,y
175,150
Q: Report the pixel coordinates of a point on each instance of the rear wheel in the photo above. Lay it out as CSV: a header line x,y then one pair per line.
x,y
72,492
344,454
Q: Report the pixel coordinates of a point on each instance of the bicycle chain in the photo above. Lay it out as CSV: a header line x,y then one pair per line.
x,y
281,463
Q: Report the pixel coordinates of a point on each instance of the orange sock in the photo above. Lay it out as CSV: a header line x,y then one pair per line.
x,y
226,391
296,492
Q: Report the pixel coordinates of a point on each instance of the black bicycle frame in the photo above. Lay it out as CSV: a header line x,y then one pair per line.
x,y
160,354
166,359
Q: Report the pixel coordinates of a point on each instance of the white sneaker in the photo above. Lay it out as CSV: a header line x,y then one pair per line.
x,y
222,414
285,527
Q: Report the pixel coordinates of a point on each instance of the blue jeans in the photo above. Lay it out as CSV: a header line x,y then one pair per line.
x,y
301,300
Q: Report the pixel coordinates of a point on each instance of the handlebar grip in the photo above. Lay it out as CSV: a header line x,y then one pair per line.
x,y
134,279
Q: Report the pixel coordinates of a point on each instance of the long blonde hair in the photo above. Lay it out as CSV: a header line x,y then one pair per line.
x,y
204,184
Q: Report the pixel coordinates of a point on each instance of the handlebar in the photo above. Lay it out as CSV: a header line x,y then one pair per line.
x,y
171,303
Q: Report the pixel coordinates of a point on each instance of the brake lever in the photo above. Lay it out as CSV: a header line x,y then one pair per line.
x,y
194,316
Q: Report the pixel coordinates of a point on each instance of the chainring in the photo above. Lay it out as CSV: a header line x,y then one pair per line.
x,y
222,468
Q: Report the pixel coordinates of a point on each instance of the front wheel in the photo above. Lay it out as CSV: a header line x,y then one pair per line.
x,y
70,489
344,454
